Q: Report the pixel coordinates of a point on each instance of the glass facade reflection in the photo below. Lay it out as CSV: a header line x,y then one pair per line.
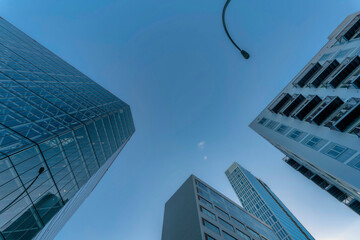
x,y
55,117
257,198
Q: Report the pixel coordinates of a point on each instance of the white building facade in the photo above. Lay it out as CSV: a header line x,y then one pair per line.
x,y
315,120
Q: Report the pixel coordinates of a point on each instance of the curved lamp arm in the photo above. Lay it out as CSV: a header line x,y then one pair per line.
x,y
245,54
41,170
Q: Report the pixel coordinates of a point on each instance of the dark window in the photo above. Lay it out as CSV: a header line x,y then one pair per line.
x,y
355,205
348,119
308,108
326,73
319,181
337,193
286,98
226,224
345,72
238,223
254,233
211,226
356,82
222,212
304,80
297,101
206,202
293,163
228,236
208,237
352,31
243,235
327,111
306,172
207,212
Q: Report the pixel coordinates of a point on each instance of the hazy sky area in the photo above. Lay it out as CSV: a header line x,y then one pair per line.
x,y
192,97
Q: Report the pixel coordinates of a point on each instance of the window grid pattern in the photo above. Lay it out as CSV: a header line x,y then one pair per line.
x,y
51,116
253,202
219,221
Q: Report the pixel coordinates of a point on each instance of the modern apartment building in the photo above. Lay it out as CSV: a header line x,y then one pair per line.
x,y
198,212
315,120
258,199
59,133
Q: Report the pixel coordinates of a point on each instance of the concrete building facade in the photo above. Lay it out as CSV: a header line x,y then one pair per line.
x,y
315,119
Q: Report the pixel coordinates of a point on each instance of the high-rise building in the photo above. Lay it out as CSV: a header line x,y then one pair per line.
x,y
59,133
198,212
315,120
258,199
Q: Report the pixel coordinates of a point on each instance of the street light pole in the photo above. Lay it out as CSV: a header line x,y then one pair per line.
x,y
245,54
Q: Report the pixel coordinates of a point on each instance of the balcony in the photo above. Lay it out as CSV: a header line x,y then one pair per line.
x,y
343,74
327,111
320,181
306,172
308,108
348,119
297,101
352,31
326,73
304,80
293,163
285,99
356,83
355,206
337,193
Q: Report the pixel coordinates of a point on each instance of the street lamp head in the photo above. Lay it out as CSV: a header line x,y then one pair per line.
x,y
245,54
41,170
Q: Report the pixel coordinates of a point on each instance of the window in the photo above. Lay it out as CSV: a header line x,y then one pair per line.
x,y
223,213
208,237
254,233
238,223
271,124
335,151
262,121
296,135
226,224
282,129
243,235
313,141
206,202
211,226
201,185
207,212
228,236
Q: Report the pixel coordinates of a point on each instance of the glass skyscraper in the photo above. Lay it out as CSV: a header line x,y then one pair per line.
x,y
258,199
59,133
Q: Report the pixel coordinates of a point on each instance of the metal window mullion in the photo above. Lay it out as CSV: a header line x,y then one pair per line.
x,y
68,163
81,155
91,145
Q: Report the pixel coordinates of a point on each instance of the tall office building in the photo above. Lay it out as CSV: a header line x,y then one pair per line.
x,y
315,120
258,199
59,133
198,212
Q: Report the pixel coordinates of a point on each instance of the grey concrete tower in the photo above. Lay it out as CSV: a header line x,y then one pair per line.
x,y
198,212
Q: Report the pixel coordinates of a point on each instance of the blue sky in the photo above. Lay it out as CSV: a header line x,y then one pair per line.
x,y
186,84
